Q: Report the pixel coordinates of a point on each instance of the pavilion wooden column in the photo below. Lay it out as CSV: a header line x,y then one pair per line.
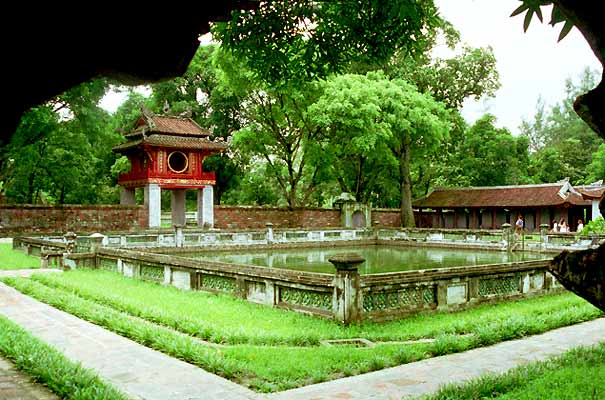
x,y
493,218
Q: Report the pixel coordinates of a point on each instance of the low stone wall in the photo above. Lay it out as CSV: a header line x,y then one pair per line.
x,y
391,295
80,218
344,296
256,217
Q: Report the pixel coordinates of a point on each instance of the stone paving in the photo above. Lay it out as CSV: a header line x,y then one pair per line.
x,y
427,376
15,385
136,370
144,373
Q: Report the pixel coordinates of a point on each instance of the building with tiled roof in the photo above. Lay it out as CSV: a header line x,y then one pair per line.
x,y
167,153
490,207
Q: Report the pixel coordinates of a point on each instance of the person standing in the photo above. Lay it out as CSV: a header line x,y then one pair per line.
x,y
580,225
563,226
519,225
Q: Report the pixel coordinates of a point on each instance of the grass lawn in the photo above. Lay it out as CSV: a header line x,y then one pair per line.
x,y
579,374
49,367
13,259
270,349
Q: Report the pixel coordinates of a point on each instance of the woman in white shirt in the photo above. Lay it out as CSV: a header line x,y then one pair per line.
x,y
580,225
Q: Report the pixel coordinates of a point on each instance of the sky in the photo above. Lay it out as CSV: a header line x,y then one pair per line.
x,y
530,64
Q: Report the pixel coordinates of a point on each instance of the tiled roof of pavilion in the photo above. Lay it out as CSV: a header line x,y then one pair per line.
x,y
172,132
545,195
151,124
172,142
593,191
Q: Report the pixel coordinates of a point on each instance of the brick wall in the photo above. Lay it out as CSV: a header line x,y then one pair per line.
x,y
104,218
79,218
387,217
257,217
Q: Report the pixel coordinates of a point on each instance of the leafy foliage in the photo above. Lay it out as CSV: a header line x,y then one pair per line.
x,y
595,226
61,152
373,121
490,156
532,7
563,145
285,42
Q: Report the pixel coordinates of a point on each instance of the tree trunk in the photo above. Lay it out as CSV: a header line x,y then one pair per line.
x,y
405,181
583,273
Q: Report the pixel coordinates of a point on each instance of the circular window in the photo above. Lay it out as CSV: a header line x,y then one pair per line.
x,y
178,162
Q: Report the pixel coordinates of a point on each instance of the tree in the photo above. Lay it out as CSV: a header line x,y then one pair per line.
x,y
470,74
372,119
596,168
350,114
61,152
284,41
199,95
563,144
281,134
490,156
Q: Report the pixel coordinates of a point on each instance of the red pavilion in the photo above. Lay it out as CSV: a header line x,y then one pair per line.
x,y
167,153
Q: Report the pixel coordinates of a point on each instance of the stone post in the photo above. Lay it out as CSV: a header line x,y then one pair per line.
x,y
70,239
179,237
177,206
96,241
153,202
346,302
127,196
544,235
205,206
376,229
269,226
506,235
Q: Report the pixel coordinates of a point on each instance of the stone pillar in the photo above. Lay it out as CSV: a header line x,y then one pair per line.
x,y
96,241
177,206
507,236
347,288
596,212
179,237
544,234
205,206
269,226
153,202
127,196
70,239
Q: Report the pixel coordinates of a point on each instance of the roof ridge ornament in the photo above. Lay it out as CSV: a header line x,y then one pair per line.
x,y
148,115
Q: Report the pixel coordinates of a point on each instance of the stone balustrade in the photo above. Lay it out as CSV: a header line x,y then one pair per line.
x,y
344,296
463,238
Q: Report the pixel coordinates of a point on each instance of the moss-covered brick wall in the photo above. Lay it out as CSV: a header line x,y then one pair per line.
x,y
17,219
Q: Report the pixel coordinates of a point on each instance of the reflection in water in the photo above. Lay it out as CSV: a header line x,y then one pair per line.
x,y
378,258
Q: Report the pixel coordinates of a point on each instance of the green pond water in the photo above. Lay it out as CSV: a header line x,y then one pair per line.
x,y
378,258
